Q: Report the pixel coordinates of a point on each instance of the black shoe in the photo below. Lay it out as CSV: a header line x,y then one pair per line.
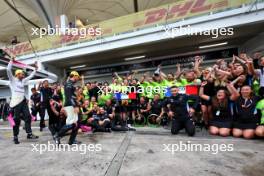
x,y
40,129
54,136
94,130
131,129
108,130
56,139
16,140
74,142
32,136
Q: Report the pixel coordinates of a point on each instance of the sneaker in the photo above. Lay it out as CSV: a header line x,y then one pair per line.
x,y
57,140
32,136
131,129
16,140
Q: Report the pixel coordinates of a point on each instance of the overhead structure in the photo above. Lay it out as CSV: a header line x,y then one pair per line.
x,y
44,12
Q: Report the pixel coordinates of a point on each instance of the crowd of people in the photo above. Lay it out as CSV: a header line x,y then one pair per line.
x,y
227,99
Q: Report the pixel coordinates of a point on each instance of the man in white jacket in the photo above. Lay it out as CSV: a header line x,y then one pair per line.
x,y
18,102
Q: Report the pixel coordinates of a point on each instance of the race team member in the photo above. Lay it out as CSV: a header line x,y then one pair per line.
x,y
35,99
19,102
55,122
142,110
46,94
222,109
71,109
178,109
155,107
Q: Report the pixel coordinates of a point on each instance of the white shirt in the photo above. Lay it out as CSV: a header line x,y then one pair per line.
x,y
261,77
17,86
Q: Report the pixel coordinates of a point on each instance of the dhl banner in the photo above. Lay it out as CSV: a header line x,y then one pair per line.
x,y
160,15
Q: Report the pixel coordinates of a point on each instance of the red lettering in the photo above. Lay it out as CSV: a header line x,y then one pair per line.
x,y
69,38
200,6
181,9
18,49
9,51
27,47
155,15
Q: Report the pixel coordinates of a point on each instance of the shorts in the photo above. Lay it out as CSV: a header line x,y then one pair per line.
x,y
206,102
221,124
72,117
123,109
132,107
244,126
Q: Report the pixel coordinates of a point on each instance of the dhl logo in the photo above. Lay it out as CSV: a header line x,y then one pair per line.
x,y
18,49
180,10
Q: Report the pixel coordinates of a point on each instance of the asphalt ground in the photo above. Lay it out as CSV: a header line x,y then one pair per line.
x,y
147,151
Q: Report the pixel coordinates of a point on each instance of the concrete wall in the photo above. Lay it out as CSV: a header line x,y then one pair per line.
x,y
254,44
5,92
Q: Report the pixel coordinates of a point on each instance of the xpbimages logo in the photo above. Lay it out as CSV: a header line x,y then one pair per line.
x,y
194,147
195,31
80,148
82,32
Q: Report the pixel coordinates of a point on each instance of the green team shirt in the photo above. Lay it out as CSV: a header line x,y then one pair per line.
x,y
103,98
168,83
185,82
145,92
63,95
256,86
86,94
260,106
84,117
158,88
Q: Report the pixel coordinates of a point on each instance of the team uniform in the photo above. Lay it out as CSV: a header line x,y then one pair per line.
x,y
222,115
179,106
46,94
143,106
19,103
35,98
246,114
105,127
72,117
55,122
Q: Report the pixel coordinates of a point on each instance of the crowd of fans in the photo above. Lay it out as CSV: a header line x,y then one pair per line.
x,y
229,100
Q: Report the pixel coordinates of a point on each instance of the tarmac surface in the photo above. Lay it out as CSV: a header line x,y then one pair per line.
x,y
147,151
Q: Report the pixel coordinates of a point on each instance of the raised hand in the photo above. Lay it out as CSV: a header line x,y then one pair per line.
x,y
203,83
